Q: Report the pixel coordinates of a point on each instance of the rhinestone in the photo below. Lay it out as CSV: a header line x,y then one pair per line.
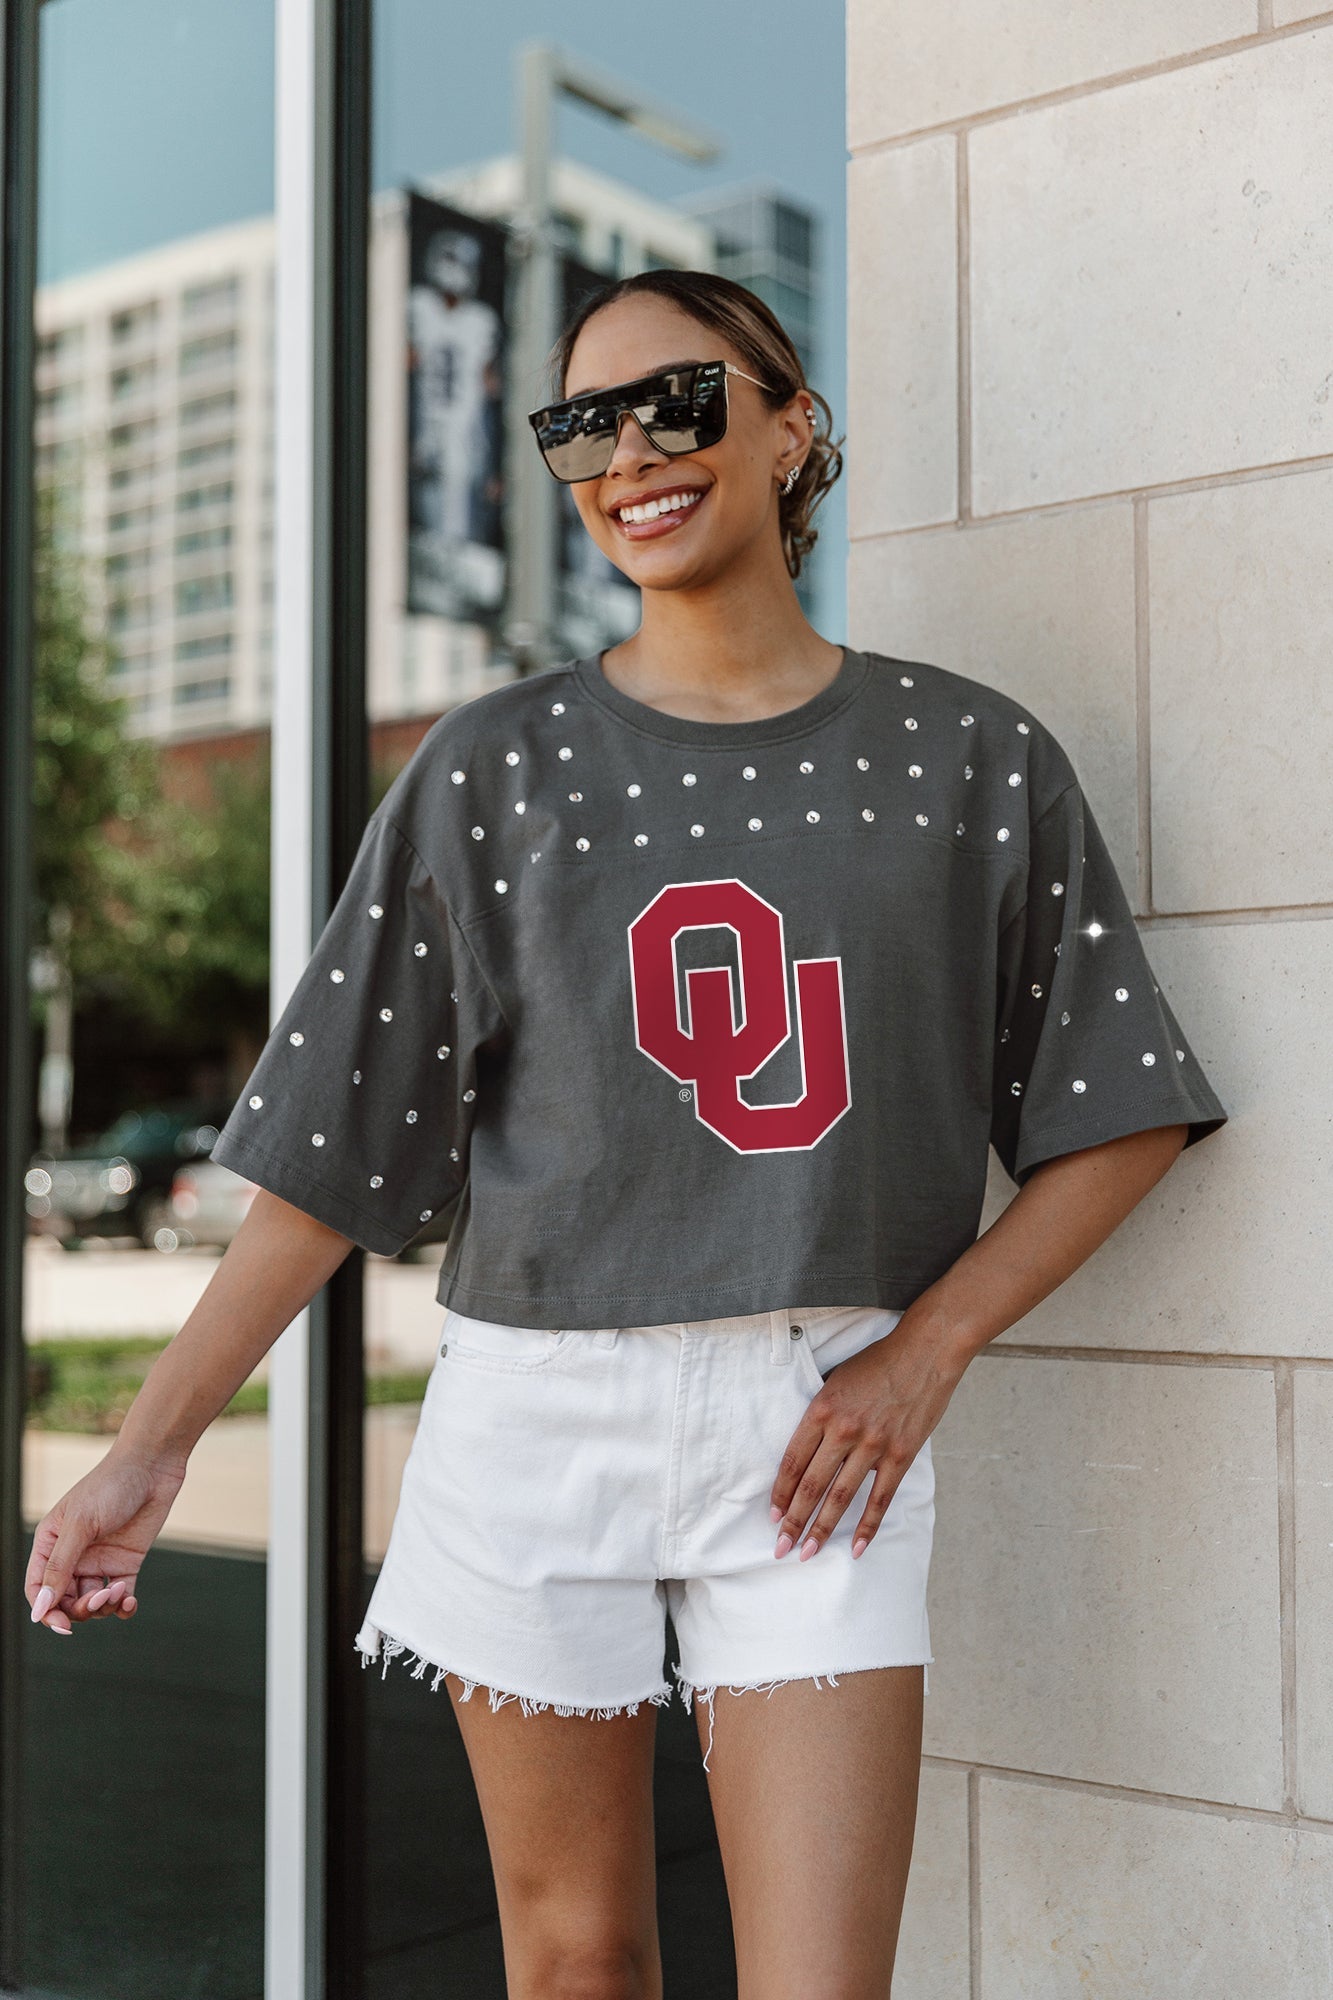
x,y
1017,1089
696,830
453,992
755,825
1002,833
420,950
426,1214
377,1180
633,790
255,1103
812,817
1022,729
296,1038
1057,951
922,820
1148,1060
968,719
386,1013
1180,1055
411,1118
582,844
967,770
1057,888
442,1051
453,1153
317,1138
1004,1035
863,763
576,798
478,833
458,776
557,708
689,779
866,813
1015,778
1064,1020
1079,1085
959,827
748,772
511,756
356,1076
535,854
1122,993
640,840
909,722
520,805
914,770
468,1096
1036,992
905,680
1094,929
375,910
807,765
337,976
501,885
565,753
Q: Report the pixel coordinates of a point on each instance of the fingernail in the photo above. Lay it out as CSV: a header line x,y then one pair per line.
x,y
785,1543
100,1596
42,1603
775,1514
65,1631
811,1548
859,1544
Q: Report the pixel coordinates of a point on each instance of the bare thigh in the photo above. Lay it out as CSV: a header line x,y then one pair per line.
x,y
567,1802
814,1794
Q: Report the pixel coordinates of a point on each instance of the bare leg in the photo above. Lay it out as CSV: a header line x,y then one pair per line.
x,y
567,1802
814,1794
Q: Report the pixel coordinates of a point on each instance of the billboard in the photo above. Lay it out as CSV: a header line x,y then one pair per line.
x,y
455,353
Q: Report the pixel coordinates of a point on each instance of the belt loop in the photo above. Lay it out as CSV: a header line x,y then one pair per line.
x,y
780,1337
606,1336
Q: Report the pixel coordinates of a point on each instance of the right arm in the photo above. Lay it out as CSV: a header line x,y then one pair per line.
x,y
105,1524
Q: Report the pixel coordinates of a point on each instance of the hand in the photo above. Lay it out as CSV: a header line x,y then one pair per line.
x,y
103,1527
875,1410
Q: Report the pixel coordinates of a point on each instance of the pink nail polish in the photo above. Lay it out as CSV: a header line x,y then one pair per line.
x,y
811,1548
859,1544
42,1603
775,1514
100,1597
785,1543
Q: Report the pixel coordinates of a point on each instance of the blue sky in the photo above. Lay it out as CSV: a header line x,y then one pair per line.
x,y
157,120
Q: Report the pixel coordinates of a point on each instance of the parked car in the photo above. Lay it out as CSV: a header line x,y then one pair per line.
x,y
120,1185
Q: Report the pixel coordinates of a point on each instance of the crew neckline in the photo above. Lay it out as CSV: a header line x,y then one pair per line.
x,y
845,685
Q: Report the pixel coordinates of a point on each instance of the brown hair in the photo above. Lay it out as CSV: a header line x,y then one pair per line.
x,y
759,336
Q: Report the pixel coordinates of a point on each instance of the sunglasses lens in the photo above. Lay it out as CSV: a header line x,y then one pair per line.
x,y
678,412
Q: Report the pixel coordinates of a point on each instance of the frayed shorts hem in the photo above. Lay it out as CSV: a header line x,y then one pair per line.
x,y
385,1647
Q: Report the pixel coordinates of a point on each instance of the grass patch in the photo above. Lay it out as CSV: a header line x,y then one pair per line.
x,y
85,1384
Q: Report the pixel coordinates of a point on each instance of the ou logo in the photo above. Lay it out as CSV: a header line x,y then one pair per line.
x,y
722,1043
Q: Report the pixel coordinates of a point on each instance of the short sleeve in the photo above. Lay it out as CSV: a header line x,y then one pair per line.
x,y
360,1106
1087,1048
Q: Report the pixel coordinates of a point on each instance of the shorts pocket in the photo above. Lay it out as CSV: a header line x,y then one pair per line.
x,y
504,1350
832,1334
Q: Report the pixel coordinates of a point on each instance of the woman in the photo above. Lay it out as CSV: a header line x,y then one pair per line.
x,y
696,978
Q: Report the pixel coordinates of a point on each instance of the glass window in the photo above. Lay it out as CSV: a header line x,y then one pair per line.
x,y
142,1802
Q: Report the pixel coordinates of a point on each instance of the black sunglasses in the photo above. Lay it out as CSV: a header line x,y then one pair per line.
x,y
680,409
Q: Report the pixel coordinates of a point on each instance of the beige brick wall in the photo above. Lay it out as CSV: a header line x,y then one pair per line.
x,y
1090,461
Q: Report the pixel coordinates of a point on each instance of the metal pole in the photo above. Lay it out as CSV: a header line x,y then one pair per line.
x,y
530,633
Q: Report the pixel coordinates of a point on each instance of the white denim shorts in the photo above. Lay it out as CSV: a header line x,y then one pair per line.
x,y
566,1488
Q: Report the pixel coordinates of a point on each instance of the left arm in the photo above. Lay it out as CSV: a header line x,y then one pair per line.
x,y
878,1408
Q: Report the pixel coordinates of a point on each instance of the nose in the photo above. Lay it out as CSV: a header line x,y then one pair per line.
x,y
632,442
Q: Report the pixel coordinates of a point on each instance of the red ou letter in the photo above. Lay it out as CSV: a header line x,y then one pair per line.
x,y
712,1051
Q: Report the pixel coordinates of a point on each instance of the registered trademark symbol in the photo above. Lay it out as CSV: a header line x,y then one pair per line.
x,y
685,1096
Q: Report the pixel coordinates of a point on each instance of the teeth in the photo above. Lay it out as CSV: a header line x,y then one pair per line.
x,y
670,503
